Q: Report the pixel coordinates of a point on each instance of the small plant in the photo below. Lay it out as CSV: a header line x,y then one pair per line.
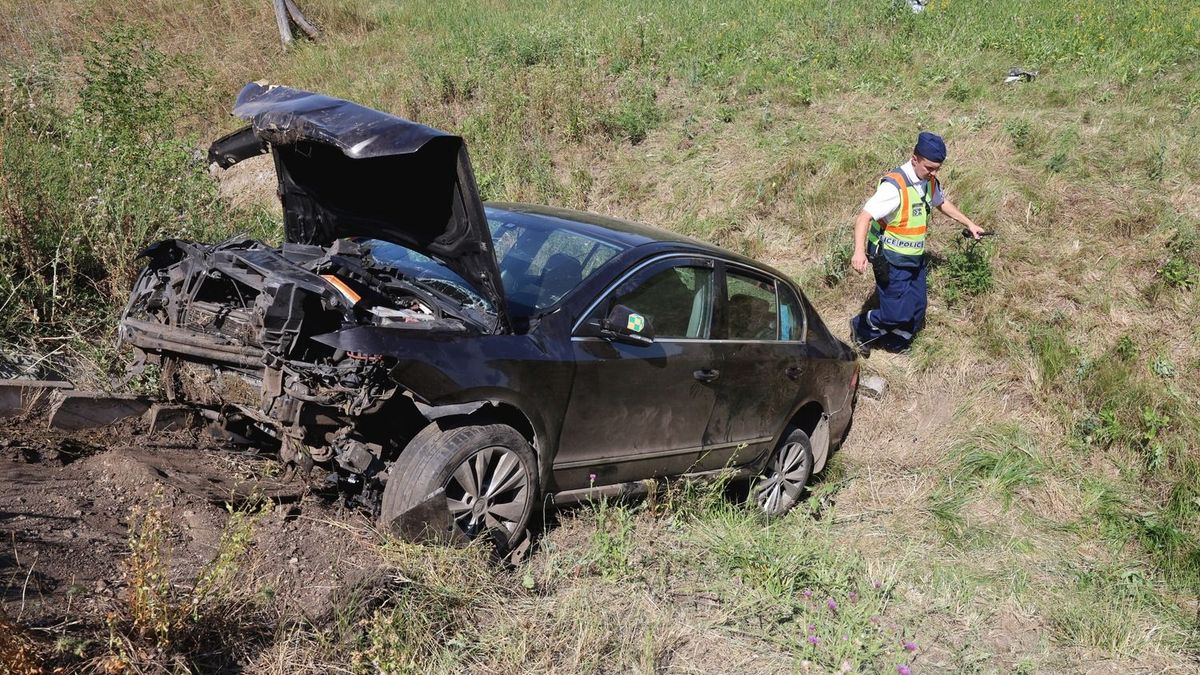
x,y
1058,162
1180,273
835,264
151,611
611,552
1020,132
1181,269
1126,348
196,621
967,272
1153,425
635,116
1163,367
960,91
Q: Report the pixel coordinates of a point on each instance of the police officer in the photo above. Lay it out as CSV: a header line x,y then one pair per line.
x,y
890,234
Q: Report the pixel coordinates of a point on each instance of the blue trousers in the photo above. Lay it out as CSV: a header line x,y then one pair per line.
x,y
902,303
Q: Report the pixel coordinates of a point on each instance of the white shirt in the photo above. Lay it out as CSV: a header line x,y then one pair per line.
x,y
886,199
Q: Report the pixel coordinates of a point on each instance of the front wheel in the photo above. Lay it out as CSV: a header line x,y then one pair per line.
x,y
785,476
487,472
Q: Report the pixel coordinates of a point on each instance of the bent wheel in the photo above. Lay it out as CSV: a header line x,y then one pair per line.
x,y
785,476
487,472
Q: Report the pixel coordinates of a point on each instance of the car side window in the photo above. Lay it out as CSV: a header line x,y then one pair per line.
x,y
750,308
677,301
792,320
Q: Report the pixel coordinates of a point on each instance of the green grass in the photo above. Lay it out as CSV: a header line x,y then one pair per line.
x,y
1068,483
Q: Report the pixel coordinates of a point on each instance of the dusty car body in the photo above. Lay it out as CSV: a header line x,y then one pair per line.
x,y
433,355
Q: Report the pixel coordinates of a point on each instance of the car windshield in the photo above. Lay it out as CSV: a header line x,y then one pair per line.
x,y
427,271
540,262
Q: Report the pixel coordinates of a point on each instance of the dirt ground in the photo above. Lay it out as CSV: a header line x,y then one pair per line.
x,y
68,498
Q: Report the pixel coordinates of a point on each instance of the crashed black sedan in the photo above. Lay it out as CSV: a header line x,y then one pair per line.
x,y
454,364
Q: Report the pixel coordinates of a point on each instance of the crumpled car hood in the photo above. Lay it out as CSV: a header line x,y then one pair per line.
x,y
345,170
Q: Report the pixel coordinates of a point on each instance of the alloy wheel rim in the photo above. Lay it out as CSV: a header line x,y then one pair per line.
x,y
786,478
488,490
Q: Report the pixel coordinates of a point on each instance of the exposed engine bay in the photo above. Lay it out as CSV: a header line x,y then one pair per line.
x,y
231,326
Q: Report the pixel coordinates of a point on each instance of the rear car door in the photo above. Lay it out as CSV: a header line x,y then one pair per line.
x,y
638,411
763,360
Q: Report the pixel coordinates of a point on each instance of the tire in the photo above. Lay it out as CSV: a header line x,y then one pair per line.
x,y
785,475
466,461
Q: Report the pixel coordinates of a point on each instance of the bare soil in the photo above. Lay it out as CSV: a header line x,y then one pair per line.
x,y
68,498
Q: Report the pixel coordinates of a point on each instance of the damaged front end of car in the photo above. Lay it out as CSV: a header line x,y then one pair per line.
x,y
383,227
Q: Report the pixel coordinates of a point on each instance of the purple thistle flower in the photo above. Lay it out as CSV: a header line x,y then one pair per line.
x,y
832,605
814,640
903,670
910,646
876,584
807,593
812,627
853,596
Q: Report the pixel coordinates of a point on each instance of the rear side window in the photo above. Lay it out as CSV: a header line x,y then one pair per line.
x,y
677,301
750,308
792,321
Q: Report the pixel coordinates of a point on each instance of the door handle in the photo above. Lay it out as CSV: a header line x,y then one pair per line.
x,y
794,372
706,374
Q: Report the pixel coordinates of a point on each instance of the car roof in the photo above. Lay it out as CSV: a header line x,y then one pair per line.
x,y
625,233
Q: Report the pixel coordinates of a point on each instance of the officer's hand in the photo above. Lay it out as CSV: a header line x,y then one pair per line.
x,y
976,231
859,261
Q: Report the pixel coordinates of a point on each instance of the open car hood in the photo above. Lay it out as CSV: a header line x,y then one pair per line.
x,y
345,170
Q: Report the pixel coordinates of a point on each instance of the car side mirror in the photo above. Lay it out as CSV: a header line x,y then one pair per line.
x,y
627,326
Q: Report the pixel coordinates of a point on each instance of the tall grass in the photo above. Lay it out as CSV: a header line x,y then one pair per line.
x,y
83,190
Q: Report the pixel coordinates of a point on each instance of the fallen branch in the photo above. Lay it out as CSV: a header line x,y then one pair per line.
x,y
287,13
281,19
301,21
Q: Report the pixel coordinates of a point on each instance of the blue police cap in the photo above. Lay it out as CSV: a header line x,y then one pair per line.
x,y
930,146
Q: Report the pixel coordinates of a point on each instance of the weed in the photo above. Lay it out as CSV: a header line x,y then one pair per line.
x,y
634,117
966,273
151,611
611,552
1126,348
960,91
835,264
1020,132
194,622
1180,273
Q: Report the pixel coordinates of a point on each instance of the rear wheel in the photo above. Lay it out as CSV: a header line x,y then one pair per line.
x,y
488,473
785,476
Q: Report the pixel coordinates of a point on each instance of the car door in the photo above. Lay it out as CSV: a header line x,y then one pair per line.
x,y
638,411
759,344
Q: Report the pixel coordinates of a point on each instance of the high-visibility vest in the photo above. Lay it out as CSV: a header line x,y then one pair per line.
x,y
904,232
